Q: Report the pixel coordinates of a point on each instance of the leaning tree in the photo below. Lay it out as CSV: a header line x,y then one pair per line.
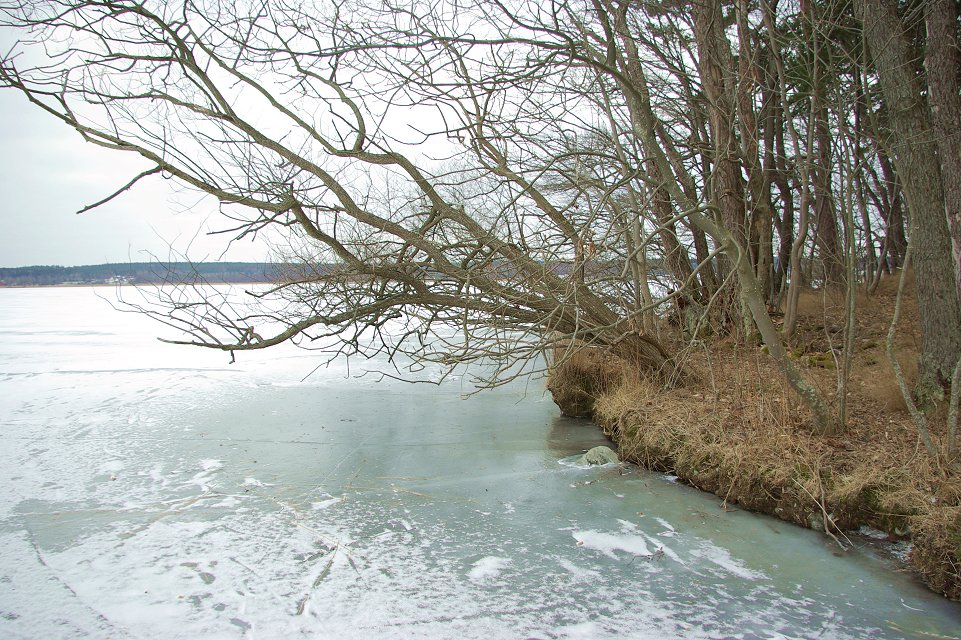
x,y
456,181
430,179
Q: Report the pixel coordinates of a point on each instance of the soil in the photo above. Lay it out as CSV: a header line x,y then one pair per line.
x,y
734,428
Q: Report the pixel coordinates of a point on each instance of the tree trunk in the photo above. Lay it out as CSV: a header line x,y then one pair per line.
x,y
726,186
758,183
715,65
942,62
916,159
896,238
785,221
870,255
825,208
644,125
675,254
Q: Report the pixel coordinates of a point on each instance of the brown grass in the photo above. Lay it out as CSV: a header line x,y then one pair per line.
x,y
821,320
937,549
736,430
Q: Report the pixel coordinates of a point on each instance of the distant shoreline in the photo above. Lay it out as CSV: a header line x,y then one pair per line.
x,y
152,273
125,284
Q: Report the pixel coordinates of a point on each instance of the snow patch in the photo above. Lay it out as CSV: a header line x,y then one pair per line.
x,y
323,504
578,572
667,525
209,464
582,630
156,474
608,543
902,551
574,462
203,478
110,467
871,532
488,568
723,559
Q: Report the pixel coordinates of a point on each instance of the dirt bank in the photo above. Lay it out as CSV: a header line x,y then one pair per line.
x,y
735,429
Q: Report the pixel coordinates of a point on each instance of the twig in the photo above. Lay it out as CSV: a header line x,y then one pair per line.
x,y
828,521
916,416
116,193
650,557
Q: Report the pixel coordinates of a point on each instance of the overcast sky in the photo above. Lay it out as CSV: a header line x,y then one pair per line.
x,y
47,173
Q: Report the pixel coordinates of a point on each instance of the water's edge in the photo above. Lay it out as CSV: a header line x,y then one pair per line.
x,y
716,478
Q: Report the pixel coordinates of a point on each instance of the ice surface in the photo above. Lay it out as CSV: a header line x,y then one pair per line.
x,y
150,491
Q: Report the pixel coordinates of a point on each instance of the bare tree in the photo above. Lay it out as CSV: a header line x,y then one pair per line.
x,y
290,118
470,181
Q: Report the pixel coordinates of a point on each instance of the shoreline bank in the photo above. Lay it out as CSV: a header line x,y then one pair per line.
x,y
743,438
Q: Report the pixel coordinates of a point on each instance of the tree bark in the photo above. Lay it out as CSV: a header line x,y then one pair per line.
x,y
780,176
896,238
825,207
942,61
675,254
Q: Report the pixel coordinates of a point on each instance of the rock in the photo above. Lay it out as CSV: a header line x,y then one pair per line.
x,y
815,522
599,455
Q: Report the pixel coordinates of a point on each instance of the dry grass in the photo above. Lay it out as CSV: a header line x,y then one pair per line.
x,y
937,552
736,430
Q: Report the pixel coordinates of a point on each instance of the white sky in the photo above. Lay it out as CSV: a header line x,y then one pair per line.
x,y
47,173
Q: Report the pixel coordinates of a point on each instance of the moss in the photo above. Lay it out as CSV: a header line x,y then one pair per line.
x,y
823,360
801,472
954,538
885,513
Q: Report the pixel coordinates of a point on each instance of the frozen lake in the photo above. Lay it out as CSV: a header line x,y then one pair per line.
x,y
153,491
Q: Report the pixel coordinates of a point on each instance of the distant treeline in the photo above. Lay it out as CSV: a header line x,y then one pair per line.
x,y
143,273
231,272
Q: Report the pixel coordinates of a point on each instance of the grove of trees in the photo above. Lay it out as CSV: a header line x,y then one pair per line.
x,y
494,178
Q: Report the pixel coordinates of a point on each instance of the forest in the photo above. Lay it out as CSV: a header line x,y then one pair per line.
x,y
757,203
